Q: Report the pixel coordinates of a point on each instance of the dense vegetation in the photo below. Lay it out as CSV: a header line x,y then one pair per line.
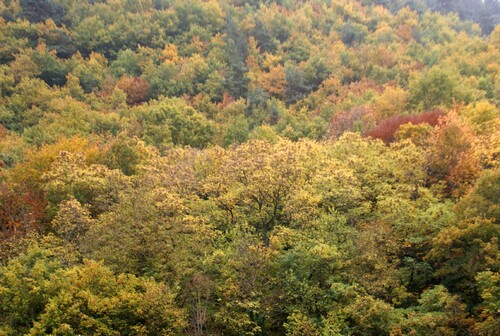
x,y
258,167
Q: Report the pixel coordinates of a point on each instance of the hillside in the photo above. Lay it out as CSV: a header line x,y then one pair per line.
x,y
230,167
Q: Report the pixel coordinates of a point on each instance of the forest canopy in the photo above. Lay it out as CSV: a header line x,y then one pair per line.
x,y
227,167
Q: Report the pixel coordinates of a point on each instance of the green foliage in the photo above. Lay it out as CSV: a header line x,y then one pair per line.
x,y
126,154
158,236
40,297
91,299
299,324
371,316
438,313
459,252
25,289
352,33
436,88
489,288
36,11
52,70
483,200
126,63
174,118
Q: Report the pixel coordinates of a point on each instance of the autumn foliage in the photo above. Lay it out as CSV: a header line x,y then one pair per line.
x,y
20,213
387,129
229,167
136,88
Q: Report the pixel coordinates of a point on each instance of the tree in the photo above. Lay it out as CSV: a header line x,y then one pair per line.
x,y
91,299
352,33
136,88
347,121
296,88
254,182
299,324
375,263
40,297
94,185
437,88
52,70
241,274
126,154
25,286
305,279
393,102
26,106
60,41
90,72
452,158
489,290
23,67
38,11
265,41
71,221
126,63
438,313
235,79
388,128
462,250
261,167
186,126
371,316
21,212
483,200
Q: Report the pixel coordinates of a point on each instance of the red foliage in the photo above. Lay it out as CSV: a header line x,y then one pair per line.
x,y
386,130
20,213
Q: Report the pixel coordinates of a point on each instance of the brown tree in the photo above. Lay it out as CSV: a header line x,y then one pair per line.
x,y
137,89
